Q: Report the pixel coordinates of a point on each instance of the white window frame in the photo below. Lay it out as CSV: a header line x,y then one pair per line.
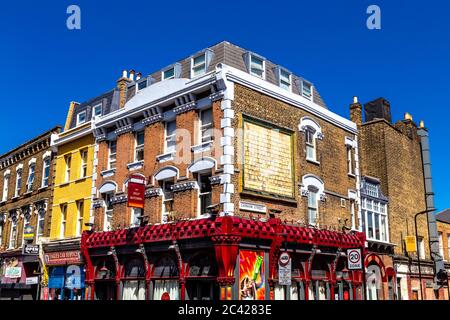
x,y
311,145
138,84
140,147
372,190
171,137
163,74
5,187
80,218
45,179
250,66
133,216
11,238
108,212
313,208
68,164
194,66
112,156
201,194
350,166
79,115
26,222
30,178
94,108
165,199
39,232
441,244
83,163
206,127
285,84
18,184
375,207
63,222
304,95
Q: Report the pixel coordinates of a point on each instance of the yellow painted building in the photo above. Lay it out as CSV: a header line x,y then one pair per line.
x,y
73,182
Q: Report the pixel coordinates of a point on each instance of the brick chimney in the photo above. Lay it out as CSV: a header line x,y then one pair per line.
x,y
356,112
407,126
122,85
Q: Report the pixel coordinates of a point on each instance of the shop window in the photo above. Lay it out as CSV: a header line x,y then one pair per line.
x,y
165,283
201,284
134,283
297,290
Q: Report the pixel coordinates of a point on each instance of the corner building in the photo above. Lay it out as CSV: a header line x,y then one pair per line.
x,y
242,161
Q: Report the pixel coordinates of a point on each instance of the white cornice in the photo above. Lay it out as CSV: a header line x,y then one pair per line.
x,y
71,135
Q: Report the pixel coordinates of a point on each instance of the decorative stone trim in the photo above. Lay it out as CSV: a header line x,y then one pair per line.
x,y
215,180
121,198
98,204
320,135
135,165
153,192
203,147
108,173
183,186
100,134
185,107
125,129
152,119
216,96
165,157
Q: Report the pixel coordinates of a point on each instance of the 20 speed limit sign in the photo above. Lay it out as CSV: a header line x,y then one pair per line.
x,y
354,259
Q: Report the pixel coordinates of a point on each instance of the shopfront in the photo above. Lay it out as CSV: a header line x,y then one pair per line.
x,y
227,258
66,275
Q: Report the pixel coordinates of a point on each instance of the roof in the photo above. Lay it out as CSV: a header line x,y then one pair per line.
x,y
443,216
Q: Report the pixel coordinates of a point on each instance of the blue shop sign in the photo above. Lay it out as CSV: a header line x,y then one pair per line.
x,y
72,276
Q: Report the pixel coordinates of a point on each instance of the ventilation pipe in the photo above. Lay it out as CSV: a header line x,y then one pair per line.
x,y
429,198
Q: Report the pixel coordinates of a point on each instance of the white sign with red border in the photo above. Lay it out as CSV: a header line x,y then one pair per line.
x,y
284,269
354,259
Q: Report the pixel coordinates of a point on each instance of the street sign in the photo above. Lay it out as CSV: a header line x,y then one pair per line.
x,y
284,269
31,280
410,242
30,249
136,191
354,259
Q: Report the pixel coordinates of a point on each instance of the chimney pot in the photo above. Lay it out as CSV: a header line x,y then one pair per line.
x,y
138,76
132,75
355,99
422,124
124,74
408,116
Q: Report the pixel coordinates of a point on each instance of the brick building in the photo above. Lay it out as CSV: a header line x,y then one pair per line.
x,y
242,160
392,192
26,180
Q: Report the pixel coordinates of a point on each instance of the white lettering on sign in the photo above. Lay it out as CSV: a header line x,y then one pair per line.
x,y
247,206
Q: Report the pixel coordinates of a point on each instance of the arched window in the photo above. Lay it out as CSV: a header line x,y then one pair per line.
x,y
312,131
134,280
313,188
165,279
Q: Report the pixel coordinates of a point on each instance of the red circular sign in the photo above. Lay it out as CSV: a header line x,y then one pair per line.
x,y
284,259
354,256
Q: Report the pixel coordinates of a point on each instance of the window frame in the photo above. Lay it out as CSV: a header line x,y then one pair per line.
x,y
163,74
171,137
30,178
63,222
68,165
311,145
133,217
5,188
314,208
107,198
79,115
83,163
164,212
307,84
26,222
281,81
209,126
45,177
263,66
94,108
138,147
80,218
378,210
194,66
18,185
202,195
112,155
39,232
12,227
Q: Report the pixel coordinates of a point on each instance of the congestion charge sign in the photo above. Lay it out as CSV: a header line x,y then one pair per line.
x,y
354,259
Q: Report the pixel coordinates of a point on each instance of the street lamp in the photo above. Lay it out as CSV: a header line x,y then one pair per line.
x,y
417,248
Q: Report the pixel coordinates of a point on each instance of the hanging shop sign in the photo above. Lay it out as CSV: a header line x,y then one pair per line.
x,y
28,233
284,269
30,249
13,272
63,257
354,259
251,275
410,242
31,280
136,191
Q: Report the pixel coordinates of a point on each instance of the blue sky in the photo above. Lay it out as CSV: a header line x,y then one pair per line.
x,y
44,65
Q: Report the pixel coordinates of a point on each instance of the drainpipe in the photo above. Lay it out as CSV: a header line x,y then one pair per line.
x,y
422,132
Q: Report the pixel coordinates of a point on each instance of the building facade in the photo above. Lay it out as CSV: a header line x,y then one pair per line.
x,y
393,191
242,160
26,201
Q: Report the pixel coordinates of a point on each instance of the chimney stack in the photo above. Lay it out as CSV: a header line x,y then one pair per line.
x,y
356,111
122,85
378,109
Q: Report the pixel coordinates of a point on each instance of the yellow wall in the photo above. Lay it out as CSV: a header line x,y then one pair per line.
x,y
76,189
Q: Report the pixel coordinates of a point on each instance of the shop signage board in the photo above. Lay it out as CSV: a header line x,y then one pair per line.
x,y
63,257
13,272
31,280
410,242
28,233
284,269
136,191
30,249
354,259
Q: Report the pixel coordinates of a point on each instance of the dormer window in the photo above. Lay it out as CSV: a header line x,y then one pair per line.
x,y
142,84
168,74
372,190
306,89
285,80
198,65
97,110
81,117
257,66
